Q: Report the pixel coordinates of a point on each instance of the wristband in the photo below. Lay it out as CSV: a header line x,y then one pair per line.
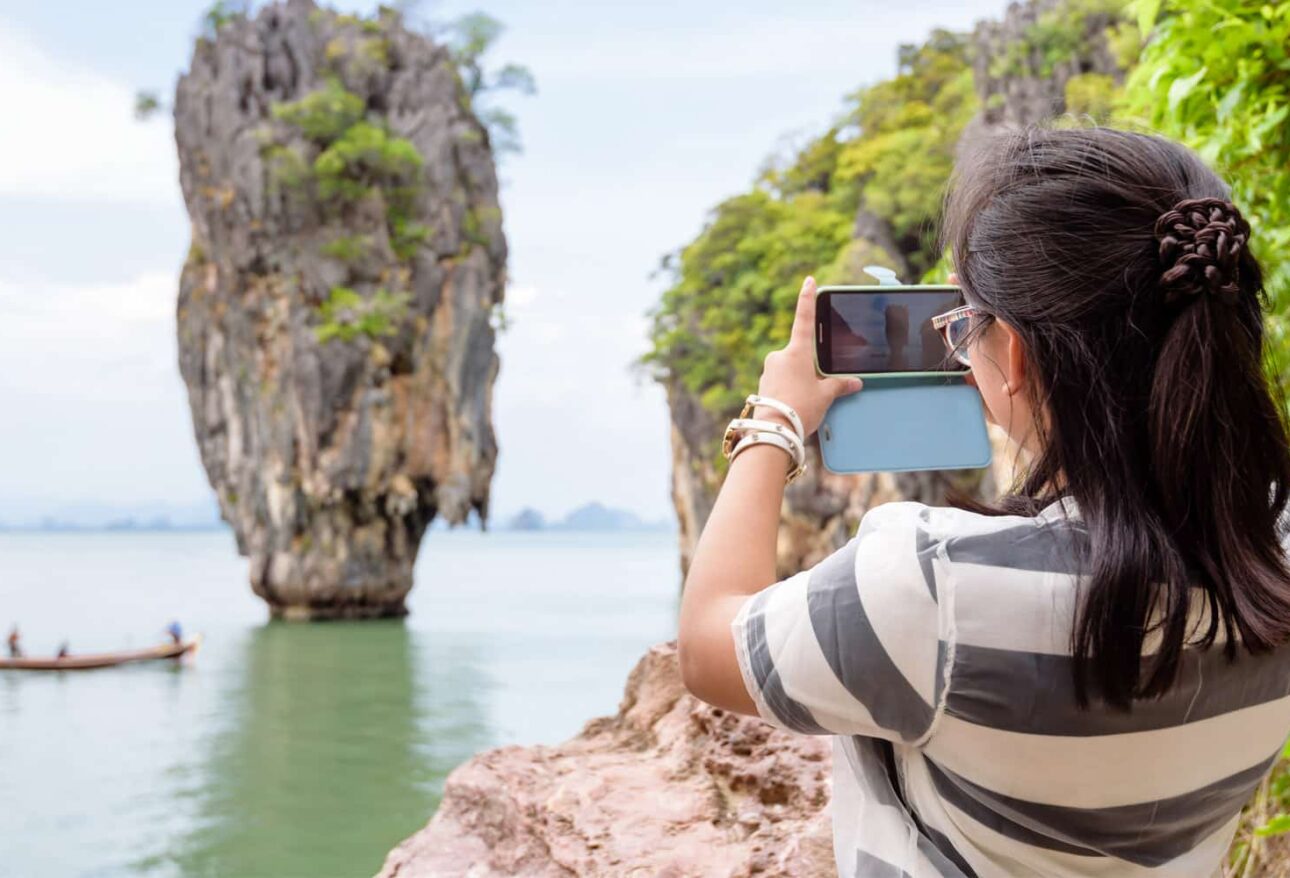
x,y
779,441
740,426
783,408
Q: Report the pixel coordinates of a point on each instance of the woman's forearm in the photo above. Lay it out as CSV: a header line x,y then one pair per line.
x,y
736,551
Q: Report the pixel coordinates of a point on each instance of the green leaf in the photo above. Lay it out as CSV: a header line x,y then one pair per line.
x,y
1276,826
1147,11
1230,100
1180,88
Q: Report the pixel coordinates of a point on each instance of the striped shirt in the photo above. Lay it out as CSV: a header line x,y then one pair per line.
x,y
935,648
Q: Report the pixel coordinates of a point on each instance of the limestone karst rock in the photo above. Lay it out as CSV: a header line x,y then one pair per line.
x,y
334,310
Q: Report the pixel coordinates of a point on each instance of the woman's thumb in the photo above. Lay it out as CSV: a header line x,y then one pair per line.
x,y
842,386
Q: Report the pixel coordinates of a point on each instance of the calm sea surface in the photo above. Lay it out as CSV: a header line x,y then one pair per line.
x,y
288,749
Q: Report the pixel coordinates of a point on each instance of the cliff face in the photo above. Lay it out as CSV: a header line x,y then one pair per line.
x,y
668,786
1017,80
334,310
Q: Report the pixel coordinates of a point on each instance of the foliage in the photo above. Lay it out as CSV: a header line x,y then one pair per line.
x,y
146,105
344,158
732,300
348,248
347,315
322,115
354,158
908,128
733,288
470,38
406,236
286,167
366,155
1059,36
1215,74
220,13
1266,815
1091,96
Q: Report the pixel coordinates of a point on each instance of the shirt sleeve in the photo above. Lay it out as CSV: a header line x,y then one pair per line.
x,y
856,645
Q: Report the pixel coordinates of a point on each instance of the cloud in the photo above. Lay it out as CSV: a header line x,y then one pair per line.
x,y
71,133
77,342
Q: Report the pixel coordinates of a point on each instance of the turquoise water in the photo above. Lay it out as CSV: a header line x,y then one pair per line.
x,y
294,750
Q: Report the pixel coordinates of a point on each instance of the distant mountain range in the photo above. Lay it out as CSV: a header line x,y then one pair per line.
x,y
159,517
16,515
589,517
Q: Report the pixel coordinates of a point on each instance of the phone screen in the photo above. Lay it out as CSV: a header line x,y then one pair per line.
x,y
884,330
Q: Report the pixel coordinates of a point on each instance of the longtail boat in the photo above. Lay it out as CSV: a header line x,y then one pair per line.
x,y
103,659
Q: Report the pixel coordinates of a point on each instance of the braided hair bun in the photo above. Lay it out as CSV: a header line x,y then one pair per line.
x,y
1201,241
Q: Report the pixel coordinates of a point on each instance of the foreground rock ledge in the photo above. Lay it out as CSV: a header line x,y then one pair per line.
x,y
667,787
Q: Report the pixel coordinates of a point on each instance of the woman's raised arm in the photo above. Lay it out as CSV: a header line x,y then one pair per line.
x,y
735,555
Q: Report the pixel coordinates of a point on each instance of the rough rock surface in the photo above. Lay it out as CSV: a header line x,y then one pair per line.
x,y
668,786
330,458
1036,90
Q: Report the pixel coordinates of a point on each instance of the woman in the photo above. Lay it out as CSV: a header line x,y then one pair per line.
x,y
1093,677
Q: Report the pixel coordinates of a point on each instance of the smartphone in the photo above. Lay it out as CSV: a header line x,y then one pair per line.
x,y
884,330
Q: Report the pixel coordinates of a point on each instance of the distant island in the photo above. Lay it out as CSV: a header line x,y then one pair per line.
x,y
592,516
92,516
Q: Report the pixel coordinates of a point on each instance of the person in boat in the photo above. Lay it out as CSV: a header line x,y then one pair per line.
x,y
63,651
176,633
15,643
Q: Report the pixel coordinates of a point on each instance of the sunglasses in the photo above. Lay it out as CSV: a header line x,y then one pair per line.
x,y
953,327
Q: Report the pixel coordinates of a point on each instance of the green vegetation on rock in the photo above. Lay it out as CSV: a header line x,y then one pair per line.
x,y
347,315
734,286
348,155
323,115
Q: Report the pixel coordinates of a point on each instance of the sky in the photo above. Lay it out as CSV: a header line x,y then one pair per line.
x,y
646,116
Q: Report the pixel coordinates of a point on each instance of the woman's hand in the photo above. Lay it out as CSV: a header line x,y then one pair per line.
x,y
789,375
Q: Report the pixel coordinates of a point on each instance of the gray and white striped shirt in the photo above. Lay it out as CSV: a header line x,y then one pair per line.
x,y
935,648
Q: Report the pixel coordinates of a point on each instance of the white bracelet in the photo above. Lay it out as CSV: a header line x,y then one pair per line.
x,y
783,408
779,441
740,426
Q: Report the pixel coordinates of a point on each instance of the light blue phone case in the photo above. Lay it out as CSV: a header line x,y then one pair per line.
x,y
905,424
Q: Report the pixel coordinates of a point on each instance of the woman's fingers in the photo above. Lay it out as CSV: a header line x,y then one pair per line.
x,y
954,279
804,317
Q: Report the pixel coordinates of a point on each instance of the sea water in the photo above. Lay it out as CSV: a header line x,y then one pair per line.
x,y
294,749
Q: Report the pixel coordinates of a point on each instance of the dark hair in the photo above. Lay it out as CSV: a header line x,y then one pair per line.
x,y
1125,270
